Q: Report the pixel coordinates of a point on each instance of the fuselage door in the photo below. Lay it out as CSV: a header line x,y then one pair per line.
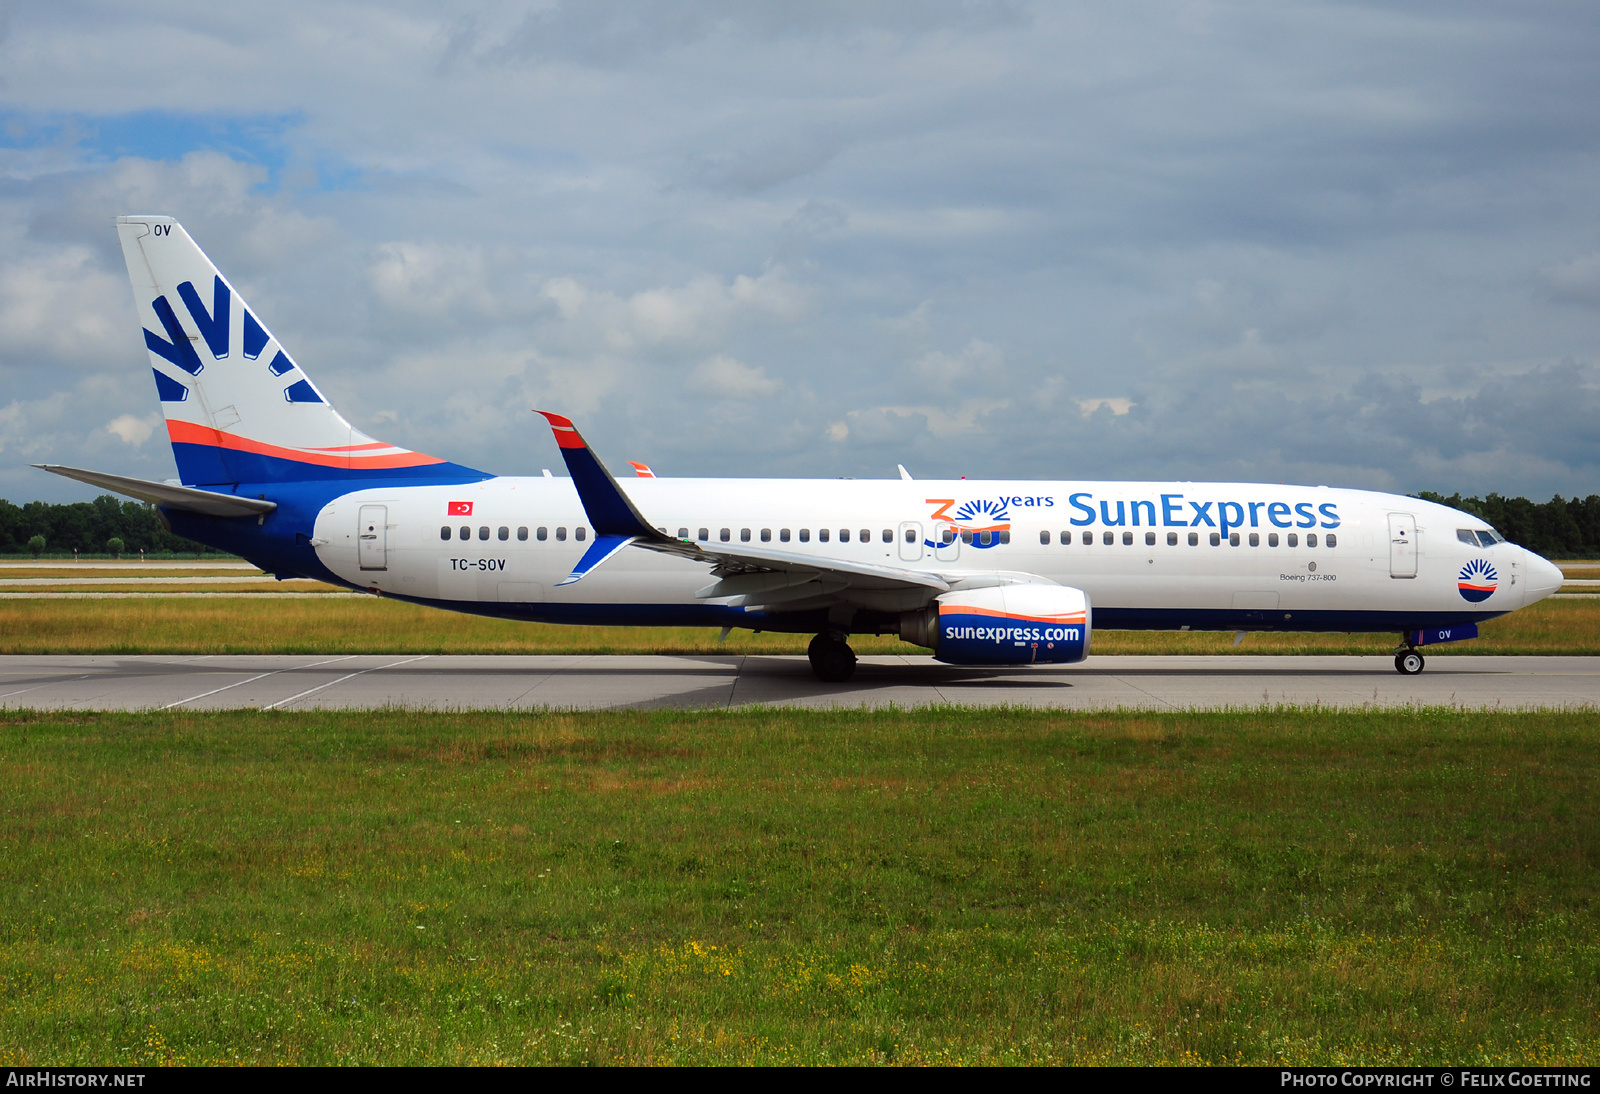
x,y
947,544
910,541
372,538
1402,545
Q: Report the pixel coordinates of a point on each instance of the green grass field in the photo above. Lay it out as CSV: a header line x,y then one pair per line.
x,y
780,886
238,624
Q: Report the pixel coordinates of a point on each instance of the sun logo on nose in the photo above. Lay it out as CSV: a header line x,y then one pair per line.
x,y
1478,581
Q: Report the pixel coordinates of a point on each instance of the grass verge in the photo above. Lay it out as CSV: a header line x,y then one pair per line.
x,y
369,625
1270,887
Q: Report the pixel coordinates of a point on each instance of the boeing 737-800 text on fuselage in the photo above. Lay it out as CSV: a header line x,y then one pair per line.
x,y
981,573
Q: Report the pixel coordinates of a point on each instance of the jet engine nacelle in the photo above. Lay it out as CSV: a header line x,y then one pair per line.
x,y
1004,625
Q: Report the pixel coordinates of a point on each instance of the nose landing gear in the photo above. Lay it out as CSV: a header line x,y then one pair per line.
x,y
832,659
1408,662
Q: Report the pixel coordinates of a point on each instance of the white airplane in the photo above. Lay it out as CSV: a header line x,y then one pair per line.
x,y
981,573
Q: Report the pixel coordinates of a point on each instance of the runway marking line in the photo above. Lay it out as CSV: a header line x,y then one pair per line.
x,y
253,679
36,687
342,679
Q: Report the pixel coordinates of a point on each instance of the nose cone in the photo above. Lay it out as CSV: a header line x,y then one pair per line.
x,y
1544,578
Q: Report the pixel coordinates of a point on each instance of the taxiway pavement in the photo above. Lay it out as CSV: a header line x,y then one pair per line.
x,y
114,682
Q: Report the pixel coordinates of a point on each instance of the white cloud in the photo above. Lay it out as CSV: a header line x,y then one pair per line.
x,y
945,372
432,281
63,306
1117,406
904,225
1577,280
724,377
132,430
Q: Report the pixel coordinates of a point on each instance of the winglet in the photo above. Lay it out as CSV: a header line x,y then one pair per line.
x,y
601,549
616,522
641,469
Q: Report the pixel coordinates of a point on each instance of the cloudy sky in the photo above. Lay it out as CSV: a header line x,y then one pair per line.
x,y
1354,244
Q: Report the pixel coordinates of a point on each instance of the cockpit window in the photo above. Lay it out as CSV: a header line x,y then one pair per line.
x,y
1479,537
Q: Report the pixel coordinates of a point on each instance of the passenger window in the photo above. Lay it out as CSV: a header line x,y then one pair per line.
x,y
1066,539
725,535
744,535
1088,538
683,533
766,535
466,533
483,531
1311,539
805,535
542,534
888,535
1194,539
1172,539
866,535
561,534
705,534
1005,536
783,535
522,533
1216,539
1255,539
1294,540
1149,539
966,536
911,535
1331,540
1272,539
822,535
444,533
504,533
579,533
844,535
1127,539
1108,538
947,536
1044,539
1233,539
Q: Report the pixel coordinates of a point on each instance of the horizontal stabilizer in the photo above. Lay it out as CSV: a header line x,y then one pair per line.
x,y
167,494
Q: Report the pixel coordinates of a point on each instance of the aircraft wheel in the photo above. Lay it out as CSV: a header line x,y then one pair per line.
x,y
1408,662
832,661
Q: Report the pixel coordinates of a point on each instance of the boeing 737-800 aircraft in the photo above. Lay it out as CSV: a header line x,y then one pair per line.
x,y
980,573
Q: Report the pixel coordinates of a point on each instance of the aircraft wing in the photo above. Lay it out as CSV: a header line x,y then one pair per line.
x,y
753,576
168,494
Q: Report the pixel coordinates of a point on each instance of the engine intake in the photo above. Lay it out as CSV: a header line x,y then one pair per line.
x,y
1004,625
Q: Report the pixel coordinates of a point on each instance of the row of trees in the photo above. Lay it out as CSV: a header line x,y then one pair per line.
x,y
1557,528
106,525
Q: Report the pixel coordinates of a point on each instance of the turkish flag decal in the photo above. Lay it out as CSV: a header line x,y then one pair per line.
x,y
460,509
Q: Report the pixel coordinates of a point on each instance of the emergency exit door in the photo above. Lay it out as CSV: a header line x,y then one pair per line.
x,y
1402,545
372,540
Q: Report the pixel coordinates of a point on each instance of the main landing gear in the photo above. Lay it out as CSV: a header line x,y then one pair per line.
x,y
832,659
1408,662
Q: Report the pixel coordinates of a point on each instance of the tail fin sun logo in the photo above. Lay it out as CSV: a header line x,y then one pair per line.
x,y
1478,581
